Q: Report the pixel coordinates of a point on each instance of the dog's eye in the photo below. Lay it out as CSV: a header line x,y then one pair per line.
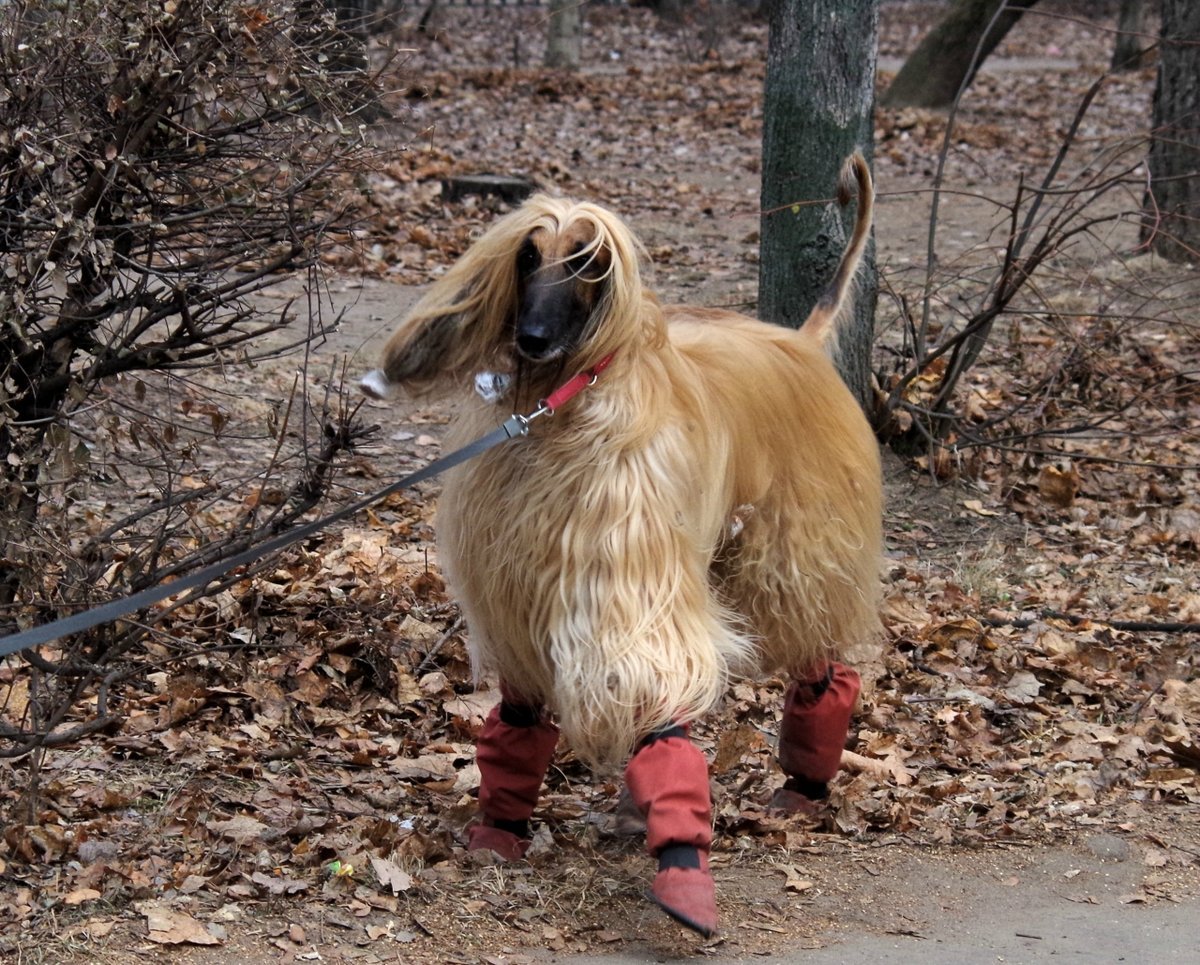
x,y
528,258
582,261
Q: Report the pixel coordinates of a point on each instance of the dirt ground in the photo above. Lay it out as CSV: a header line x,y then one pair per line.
x,y
1003,826
1118,883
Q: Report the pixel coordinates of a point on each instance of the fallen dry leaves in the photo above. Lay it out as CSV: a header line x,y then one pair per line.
x,y
166,926
315,757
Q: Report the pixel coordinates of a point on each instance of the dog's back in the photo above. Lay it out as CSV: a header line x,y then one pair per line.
x,y
801,561
802,566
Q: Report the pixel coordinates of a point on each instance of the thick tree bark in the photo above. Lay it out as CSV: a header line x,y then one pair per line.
x,y
1129,52
947,59
817,110
564,34
1171,223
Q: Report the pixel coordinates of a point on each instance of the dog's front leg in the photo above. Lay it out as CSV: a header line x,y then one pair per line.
x,y
668,779
513,752
816,718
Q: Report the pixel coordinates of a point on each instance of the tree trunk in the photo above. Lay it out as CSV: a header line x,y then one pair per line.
x,y
1171,223
564,34
946,60
1129,52
670,10
817,110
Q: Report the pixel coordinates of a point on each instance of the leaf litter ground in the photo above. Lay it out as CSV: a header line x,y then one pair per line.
x,y
300,793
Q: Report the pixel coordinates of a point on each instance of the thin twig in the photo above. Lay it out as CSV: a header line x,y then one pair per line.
x,y
454,628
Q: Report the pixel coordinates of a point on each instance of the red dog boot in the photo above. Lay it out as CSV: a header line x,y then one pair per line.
x,y
513,752
816,719
668,779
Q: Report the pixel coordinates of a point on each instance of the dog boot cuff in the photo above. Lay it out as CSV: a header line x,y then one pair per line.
x,y
668,780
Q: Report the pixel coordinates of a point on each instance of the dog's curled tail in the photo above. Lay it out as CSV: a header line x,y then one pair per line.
x,y
855,179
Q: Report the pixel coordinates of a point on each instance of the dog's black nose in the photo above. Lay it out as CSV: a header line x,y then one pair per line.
x,y
534,347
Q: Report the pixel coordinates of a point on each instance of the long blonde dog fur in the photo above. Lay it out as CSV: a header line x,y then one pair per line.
x,y
711,506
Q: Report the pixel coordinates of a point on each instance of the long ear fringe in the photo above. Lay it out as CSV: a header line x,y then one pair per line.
x,y
461,324
623,308
456,325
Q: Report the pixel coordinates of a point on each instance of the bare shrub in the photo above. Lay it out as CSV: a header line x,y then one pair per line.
x,y
1060,294
160,164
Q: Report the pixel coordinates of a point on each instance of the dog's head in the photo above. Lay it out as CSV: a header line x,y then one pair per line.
x,y
554,283
563,272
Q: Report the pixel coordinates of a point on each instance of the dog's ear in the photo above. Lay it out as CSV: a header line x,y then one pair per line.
x,y
415,355
441,339
459,325
624,315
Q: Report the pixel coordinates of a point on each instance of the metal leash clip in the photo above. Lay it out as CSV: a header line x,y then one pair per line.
x,y
518,425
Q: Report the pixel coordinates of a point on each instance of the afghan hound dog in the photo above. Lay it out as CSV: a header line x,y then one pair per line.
x,y
710,506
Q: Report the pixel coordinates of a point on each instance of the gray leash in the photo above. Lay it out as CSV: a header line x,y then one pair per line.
x,y
515,426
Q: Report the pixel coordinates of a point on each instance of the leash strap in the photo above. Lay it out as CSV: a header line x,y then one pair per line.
x,y
514,426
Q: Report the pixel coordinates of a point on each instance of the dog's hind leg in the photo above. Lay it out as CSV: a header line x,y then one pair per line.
x,y
514,751
812,735
668,780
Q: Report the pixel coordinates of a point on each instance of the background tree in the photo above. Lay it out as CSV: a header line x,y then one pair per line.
x,y
817,109
1130,49
946,60
1171,222
702,25
564,34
